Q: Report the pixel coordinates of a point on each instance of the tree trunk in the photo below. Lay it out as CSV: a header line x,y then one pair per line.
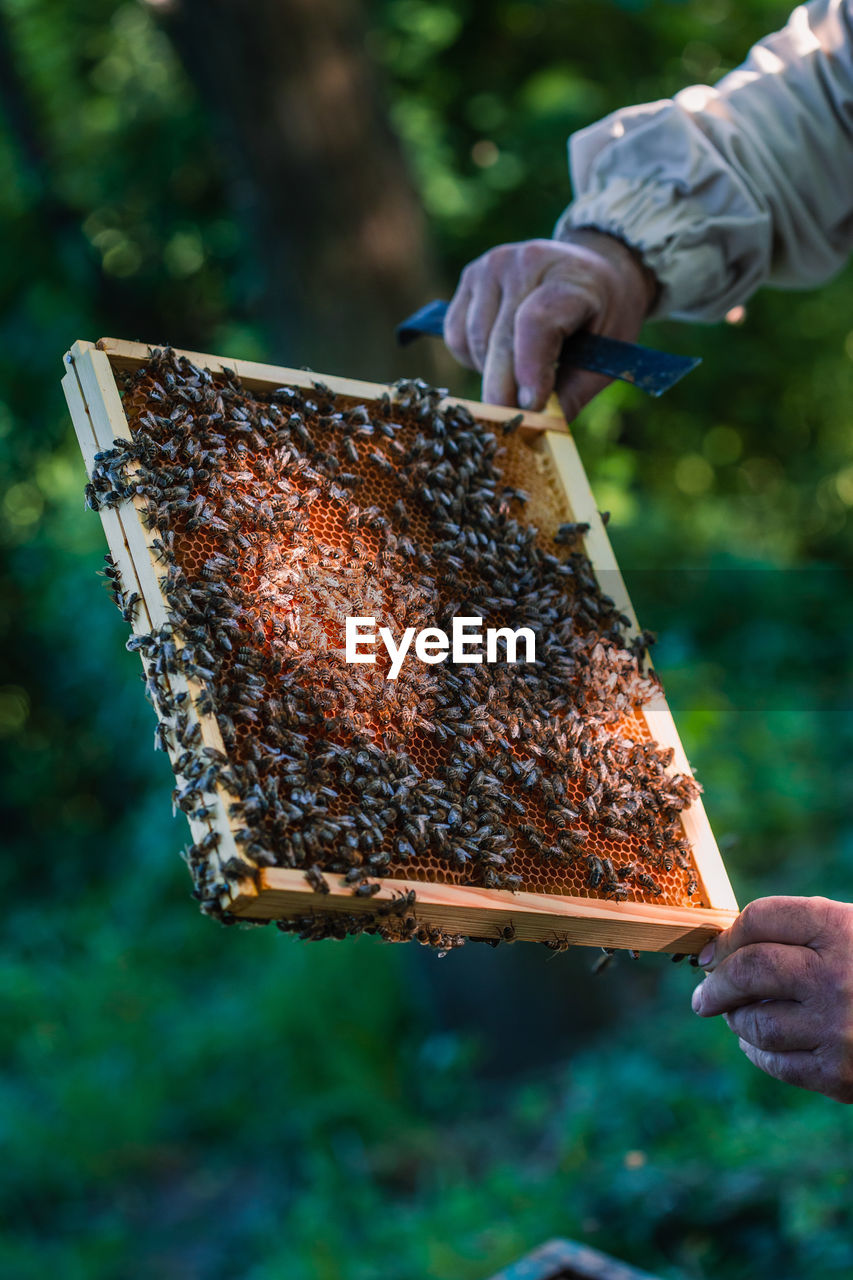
x,y
318,177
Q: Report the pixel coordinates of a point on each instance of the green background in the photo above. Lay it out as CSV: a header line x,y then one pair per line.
x,y
180,1100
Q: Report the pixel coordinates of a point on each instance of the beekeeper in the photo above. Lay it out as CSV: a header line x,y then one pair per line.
x,y
683,209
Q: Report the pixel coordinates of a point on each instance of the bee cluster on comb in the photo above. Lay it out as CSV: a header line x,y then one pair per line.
x,y
277,515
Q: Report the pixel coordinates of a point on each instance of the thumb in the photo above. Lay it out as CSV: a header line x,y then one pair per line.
x,y
793,921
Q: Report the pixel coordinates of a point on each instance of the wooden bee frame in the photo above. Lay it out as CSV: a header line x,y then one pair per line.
x,y
277,893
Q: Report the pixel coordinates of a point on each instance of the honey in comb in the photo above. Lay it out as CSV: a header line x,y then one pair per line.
x,y
275,518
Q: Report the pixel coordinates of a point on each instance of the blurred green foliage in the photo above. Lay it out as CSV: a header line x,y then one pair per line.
x,y
176,1100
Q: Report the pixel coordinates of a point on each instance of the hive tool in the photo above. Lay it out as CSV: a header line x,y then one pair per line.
x,y
644,367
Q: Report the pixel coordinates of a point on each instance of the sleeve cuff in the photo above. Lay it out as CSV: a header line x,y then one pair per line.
x,y
687,255
648,178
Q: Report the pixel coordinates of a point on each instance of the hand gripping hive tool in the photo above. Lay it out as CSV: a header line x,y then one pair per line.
x,y
652,371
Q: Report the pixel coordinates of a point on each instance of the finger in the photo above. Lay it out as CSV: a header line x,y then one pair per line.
x,y
778,1026
576,388
796,1068
498,369
455,321
543,321
761,971
483,310
797,921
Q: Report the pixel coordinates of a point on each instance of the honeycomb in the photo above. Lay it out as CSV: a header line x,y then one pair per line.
x,y
277,516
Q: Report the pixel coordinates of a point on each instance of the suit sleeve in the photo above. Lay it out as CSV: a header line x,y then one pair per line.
x,y
726,188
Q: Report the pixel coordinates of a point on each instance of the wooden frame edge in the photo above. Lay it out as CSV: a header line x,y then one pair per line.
x,y
130,355
98,418
536,917
562,452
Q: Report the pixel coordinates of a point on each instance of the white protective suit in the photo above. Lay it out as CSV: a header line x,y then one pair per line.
x,y
727,188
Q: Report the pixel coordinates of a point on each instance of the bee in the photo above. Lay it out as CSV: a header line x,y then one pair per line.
x,y
400,903
400,512
317,880
237,869
588,808
571,532
382,461
595,871
609,870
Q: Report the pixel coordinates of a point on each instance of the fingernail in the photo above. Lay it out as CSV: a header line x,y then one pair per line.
x,y
696,998
706,955
526,397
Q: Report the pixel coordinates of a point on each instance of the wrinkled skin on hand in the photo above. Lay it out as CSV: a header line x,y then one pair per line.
x,y
782,978
515,305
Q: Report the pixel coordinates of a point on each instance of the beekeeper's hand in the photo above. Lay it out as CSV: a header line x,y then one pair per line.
x,y
782,977
514,306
